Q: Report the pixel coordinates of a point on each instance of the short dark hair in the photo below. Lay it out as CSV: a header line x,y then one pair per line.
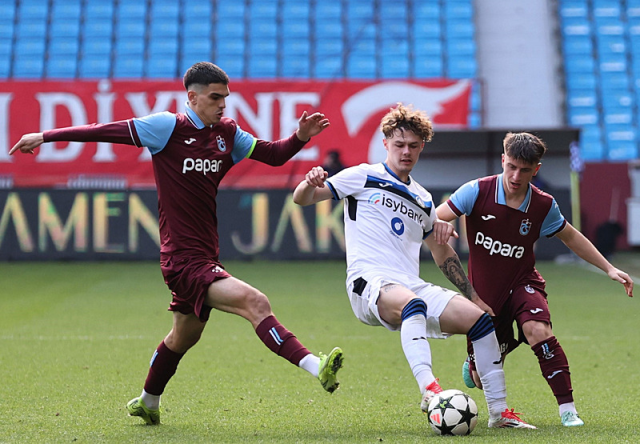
x,y
406,118
204,73
525,147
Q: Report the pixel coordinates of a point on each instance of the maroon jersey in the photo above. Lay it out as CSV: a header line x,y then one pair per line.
x,y
189,161
501,241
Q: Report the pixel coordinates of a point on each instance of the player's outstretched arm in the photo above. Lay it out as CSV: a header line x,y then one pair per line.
x,y
583,247
28,143
312,188
311,125
447,259
445,213
443,231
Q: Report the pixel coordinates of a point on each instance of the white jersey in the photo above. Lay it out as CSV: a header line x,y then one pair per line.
x,y
385,220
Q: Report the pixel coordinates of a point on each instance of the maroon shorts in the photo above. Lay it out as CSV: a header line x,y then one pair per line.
x,y
189,280
526,303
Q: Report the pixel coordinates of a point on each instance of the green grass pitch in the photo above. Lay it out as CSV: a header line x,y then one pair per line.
x,y
76,339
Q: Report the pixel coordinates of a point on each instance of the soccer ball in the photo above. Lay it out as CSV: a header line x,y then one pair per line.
x,y
452,412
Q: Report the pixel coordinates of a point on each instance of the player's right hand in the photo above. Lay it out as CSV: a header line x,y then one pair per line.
x,y
28,143
316,177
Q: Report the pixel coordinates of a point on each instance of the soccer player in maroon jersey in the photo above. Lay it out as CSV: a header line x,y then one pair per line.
x,y
191,153
505,215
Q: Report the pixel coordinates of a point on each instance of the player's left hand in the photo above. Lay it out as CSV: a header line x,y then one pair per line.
x,y
624,279
443,231
309,126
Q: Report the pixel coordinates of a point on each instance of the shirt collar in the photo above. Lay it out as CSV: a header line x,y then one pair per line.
x,y
193,117
386,167
501,199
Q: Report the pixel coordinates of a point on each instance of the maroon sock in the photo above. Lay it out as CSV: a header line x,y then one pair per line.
x,y
555,368
281,341
163,366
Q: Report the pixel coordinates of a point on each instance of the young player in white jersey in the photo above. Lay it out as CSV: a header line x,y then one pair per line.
x,y
387,216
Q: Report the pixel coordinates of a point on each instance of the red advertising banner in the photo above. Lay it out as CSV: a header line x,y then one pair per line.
x,y
269,110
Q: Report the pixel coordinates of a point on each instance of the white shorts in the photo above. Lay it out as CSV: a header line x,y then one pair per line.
x,y
365,304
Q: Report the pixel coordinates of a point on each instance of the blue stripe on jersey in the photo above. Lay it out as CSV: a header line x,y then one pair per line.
x,y
243,145
333,190
553,222
155,130
413,308
399,190
464,198
482,327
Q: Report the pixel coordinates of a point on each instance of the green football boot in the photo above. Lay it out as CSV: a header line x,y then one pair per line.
x,y
329,366
136,407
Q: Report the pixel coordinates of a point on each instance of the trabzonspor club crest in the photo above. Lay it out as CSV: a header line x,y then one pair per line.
x,y
525,226
222,145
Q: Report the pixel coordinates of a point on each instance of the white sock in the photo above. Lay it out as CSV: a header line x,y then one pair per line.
x,y
151,401
310,363
417,350
567,407
489,367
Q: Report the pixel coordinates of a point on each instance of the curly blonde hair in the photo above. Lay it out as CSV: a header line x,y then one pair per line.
x,y
406,118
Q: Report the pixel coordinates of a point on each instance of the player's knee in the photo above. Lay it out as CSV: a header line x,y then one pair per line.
x,y
536,331
256,303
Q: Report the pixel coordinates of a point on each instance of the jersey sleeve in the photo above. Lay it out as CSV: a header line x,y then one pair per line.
x,y
464,198
553,222
155,130
243,145
347,182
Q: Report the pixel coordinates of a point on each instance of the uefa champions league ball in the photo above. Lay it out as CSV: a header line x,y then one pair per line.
x,y
452,412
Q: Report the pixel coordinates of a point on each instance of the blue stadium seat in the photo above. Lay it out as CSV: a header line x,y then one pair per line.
x,y
328,29
59,46
394,67
128,67
622,150
361,66
459,28
65,28
197,10
164,10
577,45
33,10
329,47
581,80
295,29
331,11
130,29
296,9
573,9
264,29
30,47
427,29
295,67
328,67
230,30
234,47
6,29
592,151
5,66
614,81
583,116
611,44
298,47
66,10
428,48
164,28
132,11
360,11
232,65
574,26
96,46
94,67
618,115
162,67
609,27
461,47
264,9
428,68
165,46
360,30
126,47
579,98
62,67
613,63
462,68
199,49
579,63
393,11
198,30
99,10
231,10
262,67
28,67
458,10
7,11
426,10
606,8
103,29
261,47
31,29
